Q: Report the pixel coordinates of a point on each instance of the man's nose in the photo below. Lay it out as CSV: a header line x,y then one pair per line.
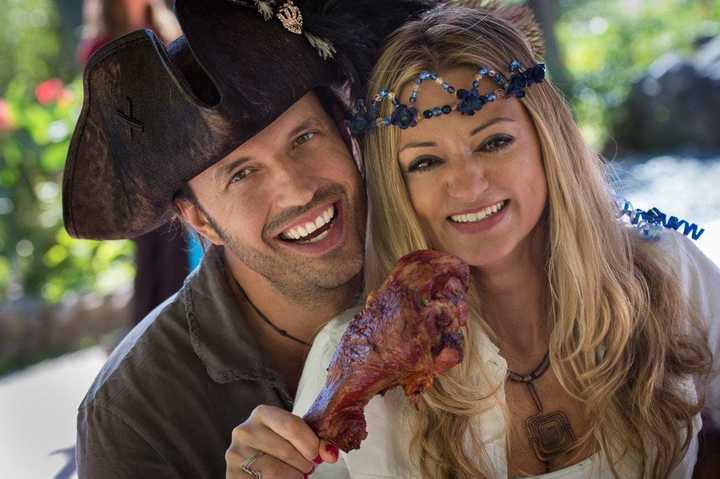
x,y
467,180
296,183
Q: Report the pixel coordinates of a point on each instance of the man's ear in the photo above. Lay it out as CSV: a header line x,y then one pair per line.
x,y
193,215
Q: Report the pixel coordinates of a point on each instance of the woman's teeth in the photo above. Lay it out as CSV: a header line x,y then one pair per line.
x,y
300,233
478,215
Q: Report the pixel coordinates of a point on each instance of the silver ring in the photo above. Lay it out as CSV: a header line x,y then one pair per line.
x,y
245,466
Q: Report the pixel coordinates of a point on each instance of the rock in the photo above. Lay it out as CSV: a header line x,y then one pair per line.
x,y
674,105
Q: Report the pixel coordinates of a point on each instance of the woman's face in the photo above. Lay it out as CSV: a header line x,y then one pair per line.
x,y
477,183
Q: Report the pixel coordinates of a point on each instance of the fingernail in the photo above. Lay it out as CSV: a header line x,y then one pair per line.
x,y
318,460
332,450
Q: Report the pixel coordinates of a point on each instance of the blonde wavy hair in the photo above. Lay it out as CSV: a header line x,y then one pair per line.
x,y
606,289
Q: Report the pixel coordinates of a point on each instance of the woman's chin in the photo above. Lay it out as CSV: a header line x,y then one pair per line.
x,y
481,259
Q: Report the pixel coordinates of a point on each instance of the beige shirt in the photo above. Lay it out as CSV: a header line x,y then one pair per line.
x,y
384,454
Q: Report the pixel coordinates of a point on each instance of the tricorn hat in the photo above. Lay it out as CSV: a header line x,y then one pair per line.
x,y
155,117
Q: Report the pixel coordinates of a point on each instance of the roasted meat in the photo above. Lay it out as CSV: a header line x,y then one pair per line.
x,y
408,332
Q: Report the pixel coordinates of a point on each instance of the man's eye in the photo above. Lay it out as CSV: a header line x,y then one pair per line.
x,y
304,138
423,163
496,143
240,175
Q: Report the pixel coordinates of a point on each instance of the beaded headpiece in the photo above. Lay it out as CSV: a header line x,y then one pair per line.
x,y
403,116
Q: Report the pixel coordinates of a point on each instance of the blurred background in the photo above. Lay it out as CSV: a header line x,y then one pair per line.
x,y
643,78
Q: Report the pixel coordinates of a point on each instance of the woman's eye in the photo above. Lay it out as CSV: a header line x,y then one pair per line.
x,y
304,138
423,163
496,143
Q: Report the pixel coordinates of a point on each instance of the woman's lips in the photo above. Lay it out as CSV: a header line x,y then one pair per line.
x,y
481,220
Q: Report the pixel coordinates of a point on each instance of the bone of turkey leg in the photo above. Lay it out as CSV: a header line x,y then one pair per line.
x,y
408,332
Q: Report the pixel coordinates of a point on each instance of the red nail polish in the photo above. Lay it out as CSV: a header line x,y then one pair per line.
x,y
332,450
318,460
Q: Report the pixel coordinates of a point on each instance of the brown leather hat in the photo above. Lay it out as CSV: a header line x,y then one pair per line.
x,y
153,118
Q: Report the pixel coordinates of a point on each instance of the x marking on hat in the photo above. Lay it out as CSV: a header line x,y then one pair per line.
x,y
128,118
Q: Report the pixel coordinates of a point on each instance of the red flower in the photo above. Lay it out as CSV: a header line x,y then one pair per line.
x,y
7,123
49,91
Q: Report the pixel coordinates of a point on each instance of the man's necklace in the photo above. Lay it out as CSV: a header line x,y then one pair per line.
x,y
238,292
281,332
550,434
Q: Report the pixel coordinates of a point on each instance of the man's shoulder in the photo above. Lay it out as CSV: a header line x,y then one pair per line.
x,y
142,355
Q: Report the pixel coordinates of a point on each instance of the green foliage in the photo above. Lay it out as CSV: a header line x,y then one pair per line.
x,y
606,44
37,257
30,50
37,115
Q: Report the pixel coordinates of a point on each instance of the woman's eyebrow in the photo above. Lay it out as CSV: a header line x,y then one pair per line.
x,y
490,123
417,144
425,144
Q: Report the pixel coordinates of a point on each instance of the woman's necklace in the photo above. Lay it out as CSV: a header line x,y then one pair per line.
x,y
550,434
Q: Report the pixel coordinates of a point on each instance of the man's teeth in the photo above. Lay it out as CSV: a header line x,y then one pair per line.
x,y
478,215
300,232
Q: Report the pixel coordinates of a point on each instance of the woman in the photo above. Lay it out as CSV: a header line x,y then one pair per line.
x,y
588,344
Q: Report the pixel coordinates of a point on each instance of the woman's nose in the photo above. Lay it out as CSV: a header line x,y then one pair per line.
x,y
467,181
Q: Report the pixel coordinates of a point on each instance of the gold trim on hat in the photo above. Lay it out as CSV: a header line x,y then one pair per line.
x,y
290,17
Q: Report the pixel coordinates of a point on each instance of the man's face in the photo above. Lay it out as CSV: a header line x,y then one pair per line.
x,y
288,203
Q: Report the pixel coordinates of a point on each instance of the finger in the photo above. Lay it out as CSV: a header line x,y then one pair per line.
x,y
269,467
259,437
292,428
328,452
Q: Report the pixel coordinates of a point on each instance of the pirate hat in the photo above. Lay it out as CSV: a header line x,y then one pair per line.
x,y
155,117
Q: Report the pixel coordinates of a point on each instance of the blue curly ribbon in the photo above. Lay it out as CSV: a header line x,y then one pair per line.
x,y
650,223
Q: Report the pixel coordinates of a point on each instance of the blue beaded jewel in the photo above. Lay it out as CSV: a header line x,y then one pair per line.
x,y
650,223
469,101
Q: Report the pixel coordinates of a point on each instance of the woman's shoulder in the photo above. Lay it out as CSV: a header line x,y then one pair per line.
x,y
698,275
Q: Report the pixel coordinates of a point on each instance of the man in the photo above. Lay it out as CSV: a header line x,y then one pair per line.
x,y
232,130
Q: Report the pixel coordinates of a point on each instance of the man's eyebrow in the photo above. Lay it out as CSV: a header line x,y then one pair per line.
x,y
423,144
225,170
307,123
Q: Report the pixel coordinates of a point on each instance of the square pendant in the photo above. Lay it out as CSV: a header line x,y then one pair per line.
x,y
550,434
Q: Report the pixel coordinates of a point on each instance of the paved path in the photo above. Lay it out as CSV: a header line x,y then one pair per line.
x,y
37,415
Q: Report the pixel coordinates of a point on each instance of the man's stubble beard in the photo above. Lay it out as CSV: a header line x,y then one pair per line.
x,y
298,278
